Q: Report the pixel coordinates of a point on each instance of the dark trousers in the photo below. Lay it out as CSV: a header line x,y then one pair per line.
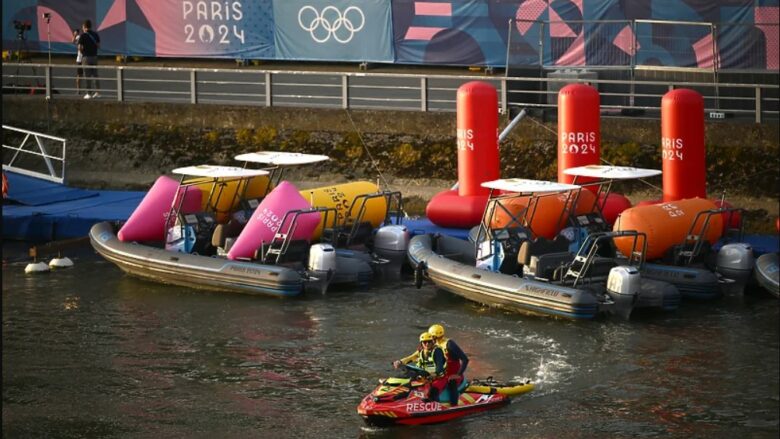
x,y
91,73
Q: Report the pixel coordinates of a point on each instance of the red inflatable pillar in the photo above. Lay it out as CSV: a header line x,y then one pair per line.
x,y
579,133
682,145
477,105
478,160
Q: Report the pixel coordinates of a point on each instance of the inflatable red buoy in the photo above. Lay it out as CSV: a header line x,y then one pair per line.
x,y
682,145
579,132
478,160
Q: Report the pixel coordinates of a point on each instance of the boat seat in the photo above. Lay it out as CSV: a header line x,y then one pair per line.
x,y
545,265
231,229
541,246
203,224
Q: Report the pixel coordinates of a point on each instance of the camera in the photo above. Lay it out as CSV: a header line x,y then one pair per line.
x,y
47,15
22,26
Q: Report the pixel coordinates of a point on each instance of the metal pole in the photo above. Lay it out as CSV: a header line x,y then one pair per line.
x,y
511,126
120,89
758,104
48,81
423,94
193,87
344,91
268,100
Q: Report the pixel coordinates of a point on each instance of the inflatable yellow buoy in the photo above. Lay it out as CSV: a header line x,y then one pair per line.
x,y
225,193
341,197
515,390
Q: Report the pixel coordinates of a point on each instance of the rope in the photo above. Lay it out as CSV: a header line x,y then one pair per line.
x,y
365,147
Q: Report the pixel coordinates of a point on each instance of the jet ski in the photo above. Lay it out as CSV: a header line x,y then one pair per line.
x,y
404,400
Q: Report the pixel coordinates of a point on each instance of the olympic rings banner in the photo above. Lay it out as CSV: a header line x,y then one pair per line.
x,y
334,30
547,33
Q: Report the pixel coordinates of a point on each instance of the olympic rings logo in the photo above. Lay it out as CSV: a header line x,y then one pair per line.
x,y
331,23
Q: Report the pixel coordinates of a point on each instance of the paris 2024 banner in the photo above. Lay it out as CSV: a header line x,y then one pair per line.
x,y
455,32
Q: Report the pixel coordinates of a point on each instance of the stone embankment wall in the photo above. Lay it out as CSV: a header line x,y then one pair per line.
x,y
127,145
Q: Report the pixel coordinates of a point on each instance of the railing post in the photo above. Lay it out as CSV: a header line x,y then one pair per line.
x,y
503,96
120,86
423,94
758,104
344,91
48,81
193,87
268,100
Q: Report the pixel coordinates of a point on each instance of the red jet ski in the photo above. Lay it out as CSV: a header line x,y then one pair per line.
x,y
403,400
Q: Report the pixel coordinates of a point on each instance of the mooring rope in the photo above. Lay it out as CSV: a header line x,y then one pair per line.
x,y
365,147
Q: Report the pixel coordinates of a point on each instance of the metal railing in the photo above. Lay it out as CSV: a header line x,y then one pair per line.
x,y
378,91
32,156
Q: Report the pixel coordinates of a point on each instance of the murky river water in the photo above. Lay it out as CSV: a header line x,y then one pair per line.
x,y
91,352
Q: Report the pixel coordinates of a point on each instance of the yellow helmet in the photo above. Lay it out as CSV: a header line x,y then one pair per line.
x,y
426,336
436,330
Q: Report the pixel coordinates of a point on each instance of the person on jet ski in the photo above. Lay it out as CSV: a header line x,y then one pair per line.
x,y
434,362
457,362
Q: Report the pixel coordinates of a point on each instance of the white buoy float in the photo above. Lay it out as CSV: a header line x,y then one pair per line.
x,y
59,262
36,267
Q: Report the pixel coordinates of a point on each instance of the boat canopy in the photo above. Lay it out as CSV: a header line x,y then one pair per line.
x,y
214,171
523,185
607,172
277,158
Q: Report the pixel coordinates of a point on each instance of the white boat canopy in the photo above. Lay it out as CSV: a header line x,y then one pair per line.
x,y
277,158
522,185
607,172
214,171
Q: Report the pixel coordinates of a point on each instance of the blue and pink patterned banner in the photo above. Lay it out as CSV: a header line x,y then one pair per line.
x,y
550,33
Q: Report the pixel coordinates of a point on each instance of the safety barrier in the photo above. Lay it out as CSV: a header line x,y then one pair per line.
x,y
379,91
34,154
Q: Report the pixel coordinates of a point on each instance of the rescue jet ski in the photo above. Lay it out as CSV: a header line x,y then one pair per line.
x,y
403,400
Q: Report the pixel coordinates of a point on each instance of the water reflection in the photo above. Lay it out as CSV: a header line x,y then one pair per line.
x,y
91,349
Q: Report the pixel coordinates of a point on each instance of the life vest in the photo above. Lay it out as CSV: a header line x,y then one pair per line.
x,y
453,365
426,362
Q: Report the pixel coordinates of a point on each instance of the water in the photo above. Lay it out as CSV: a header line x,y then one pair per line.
x,y
91,352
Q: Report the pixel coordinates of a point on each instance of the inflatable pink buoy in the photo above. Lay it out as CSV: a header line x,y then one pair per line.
x,y
147,222
266,221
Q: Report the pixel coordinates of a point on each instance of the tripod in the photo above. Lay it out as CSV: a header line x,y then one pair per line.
x,y
21,45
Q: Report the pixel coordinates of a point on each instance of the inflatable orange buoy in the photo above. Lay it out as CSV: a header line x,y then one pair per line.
x,y
477,134
546,221
682,145
666,224
579,132
147,222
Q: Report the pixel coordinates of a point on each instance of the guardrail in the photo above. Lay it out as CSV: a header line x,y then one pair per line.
x,y
376,91
28,156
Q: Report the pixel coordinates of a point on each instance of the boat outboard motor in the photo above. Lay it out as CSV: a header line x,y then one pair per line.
x,y
623,287
391,243
322,265
735,262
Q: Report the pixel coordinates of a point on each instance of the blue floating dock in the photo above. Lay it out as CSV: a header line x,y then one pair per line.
x,y
37,210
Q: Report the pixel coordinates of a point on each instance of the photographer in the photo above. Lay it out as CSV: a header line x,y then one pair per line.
x,y
89,43
79,59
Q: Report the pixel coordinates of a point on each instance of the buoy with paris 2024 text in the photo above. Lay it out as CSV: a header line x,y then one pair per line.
x,y
478,158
